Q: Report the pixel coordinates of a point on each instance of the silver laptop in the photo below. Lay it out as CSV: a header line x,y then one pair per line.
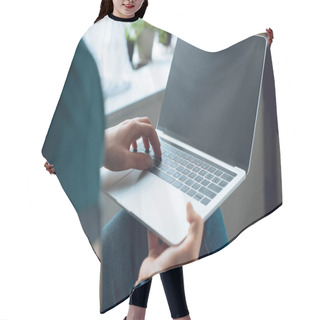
x,y
206,129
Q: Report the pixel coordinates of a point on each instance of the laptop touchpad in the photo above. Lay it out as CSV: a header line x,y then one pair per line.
x,y
155,203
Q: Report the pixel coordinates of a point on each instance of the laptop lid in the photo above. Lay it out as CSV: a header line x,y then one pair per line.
x,y
211,99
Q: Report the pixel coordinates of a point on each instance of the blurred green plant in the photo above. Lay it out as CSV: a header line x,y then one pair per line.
x,y
164,37
134,30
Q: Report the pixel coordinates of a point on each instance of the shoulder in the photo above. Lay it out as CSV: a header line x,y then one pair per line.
x,y
96,30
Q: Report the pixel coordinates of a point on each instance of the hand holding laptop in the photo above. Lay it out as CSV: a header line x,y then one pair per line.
x,y
118,141
161,256
119,138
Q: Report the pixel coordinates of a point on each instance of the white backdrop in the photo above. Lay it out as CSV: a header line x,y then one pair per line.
x,y
48,269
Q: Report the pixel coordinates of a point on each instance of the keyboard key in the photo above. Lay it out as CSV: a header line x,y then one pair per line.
x,y
216,180
223,183
198,196
205,166
226,177
192,175
174,165
176,175
183,178
164,168
233,174
190,166
207,192
185,189
205,182
212,169
214,187
164,161
205,201
191,193
186,171
177,184
195,186
209,176
161,174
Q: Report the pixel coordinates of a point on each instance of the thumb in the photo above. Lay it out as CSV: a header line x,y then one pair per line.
x,y
190,213
152,240
140,161
195,220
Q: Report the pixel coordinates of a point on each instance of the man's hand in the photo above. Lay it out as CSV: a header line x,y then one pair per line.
x,y
119,138
270,35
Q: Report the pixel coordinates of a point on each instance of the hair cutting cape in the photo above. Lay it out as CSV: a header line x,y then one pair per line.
x,y
120,70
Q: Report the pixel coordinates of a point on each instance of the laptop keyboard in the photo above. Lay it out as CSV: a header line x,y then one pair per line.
x,y
199,178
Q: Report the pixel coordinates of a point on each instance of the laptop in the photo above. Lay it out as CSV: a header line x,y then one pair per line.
x,y
206,130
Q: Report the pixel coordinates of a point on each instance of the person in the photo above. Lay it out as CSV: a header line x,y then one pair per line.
x,y
118,141
160,256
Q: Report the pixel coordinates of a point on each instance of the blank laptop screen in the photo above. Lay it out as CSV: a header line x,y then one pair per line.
x,y
211,99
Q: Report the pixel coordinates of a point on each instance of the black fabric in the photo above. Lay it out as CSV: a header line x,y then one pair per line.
x,y
123,19
172,281
140,295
